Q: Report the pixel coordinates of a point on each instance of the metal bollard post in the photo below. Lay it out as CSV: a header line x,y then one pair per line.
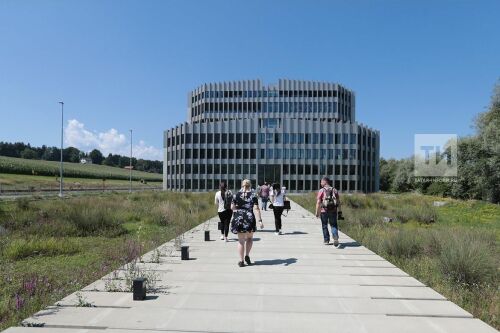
x,y
139,288
207,235
185,252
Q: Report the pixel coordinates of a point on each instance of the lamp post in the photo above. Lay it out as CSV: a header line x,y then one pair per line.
x,y
130,164
61,165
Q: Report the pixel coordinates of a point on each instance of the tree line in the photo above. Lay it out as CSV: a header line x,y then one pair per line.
x,y
478,163
74,155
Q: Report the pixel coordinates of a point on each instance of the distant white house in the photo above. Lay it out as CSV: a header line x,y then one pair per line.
x,y
86,160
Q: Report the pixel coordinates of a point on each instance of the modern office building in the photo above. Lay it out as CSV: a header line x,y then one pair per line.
x,y
293,132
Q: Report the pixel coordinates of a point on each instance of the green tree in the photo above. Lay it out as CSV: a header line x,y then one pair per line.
x,y
96,156
29,153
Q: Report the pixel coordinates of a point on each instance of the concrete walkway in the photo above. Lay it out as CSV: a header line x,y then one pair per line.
x,y
296,285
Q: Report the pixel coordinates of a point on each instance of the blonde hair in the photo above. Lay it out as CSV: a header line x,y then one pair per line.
x,y
247,184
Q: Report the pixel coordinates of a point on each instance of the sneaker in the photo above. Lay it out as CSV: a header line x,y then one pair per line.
x,y
225,239
241,264
276,233
280,233
326,242
336,242
247,259
221,237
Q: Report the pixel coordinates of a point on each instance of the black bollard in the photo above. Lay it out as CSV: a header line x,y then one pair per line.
x,y
185,252
139,289
207,235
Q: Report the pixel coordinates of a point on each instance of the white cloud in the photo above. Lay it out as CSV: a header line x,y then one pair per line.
x,y
111,141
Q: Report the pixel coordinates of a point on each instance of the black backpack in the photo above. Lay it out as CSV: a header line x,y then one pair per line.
x,y
329,201
228,198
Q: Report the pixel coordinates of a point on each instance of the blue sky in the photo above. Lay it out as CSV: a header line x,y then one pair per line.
x,y
416,66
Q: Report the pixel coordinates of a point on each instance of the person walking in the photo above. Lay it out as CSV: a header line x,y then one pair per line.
x,y
223,199
278,201
245,206
264,195
327,205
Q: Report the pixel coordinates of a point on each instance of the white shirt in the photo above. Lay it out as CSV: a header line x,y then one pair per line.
x,y
278,200
219,200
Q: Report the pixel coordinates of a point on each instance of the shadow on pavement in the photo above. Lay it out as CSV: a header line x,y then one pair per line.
x,y
284,262
349,244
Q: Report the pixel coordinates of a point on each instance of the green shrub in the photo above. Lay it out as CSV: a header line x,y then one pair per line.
x,y
468,258
403,243
366,217
92,218
23,248
432,242
23,203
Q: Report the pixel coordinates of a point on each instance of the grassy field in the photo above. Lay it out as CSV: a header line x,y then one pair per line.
x,y
51,248
454,249
14,165
36,183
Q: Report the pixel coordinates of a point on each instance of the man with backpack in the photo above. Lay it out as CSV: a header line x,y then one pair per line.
x,y
327,205
264,195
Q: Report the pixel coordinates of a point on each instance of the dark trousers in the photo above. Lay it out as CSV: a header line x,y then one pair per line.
x,y
329,218
277,217
225,219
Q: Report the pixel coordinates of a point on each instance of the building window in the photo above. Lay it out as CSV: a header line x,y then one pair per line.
x,y
315,155
231,153
196,138
253,169
253,153
345,138
238,138
286,138
253,138
262,138
216,153
262,153
217,169
238,153
352,154
308,138
315,138
269,153
224,153
269,122
231,169
224,138
231,137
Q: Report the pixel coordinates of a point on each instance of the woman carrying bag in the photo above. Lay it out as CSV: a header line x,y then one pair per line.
x,y
223,200
278,204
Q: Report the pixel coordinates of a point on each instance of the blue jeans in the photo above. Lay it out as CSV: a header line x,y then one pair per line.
x,y
329,218
264,203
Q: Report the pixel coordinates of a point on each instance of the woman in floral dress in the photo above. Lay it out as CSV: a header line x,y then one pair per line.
x,y
244,204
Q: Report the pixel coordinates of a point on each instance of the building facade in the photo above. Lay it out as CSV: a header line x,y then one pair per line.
x,y
293,132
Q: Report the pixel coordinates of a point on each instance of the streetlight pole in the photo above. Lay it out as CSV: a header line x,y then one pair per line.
x,y
61,166
130,164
